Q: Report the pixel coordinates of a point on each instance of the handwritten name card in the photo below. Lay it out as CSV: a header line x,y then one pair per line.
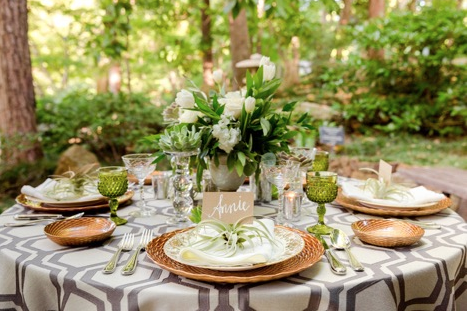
x,y
227,206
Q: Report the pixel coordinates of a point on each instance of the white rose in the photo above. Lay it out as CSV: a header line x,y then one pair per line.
x,y
269,69
185,99
217,76
188,116
233,102
250,103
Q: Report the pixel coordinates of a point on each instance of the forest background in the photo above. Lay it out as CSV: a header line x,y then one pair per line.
x,y
391,72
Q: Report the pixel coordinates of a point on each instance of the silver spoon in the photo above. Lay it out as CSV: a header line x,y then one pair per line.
x,y
340,240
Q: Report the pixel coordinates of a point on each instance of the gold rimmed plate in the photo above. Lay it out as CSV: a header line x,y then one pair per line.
x,y
387,233
81,231
39,205
310,254
292,242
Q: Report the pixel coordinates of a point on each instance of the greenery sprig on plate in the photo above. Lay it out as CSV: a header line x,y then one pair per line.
x,y
385,190
229,238
72,185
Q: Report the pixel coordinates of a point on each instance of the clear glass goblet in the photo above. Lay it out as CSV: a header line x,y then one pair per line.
x,y
140,165
321,188
280,175
113,182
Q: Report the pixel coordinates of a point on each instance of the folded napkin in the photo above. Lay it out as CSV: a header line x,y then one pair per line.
x,y
42,192
260,252
417,196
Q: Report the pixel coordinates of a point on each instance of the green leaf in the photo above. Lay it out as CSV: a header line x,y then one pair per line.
x,y
266,126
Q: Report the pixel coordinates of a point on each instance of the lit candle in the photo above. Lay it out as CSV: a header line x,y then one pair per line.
x,y
291,205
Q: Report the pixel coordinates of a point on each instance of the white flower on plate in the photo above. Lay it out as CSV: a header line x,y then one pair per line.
x,y
217,75
269,68
185,99
233,102
228,138
250,103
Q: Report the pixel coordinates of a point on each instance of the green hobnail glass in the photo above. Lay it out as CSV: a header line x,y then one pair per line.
x,y
321,188
321,161
113,182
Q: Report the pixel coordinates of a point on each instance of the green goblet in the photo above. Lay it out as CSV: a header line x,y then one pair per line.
x,y
321,188
113,182
321,161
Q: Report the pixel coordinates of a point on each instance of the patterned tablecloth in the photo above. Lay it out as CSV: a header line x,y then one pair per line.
x,y
37,274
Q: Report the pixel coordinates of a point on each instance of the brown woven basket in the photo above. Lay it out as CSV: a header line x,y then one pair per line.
x,y
82,231
387,233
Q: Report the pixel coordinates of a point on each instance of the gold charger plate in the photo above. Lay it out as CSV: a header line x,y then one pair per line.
x,y
422,211
81,231
38,205
310,254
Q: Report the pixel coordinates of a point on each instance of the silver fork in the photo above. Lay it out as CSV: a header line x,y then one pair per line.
x,y
130,266
126,244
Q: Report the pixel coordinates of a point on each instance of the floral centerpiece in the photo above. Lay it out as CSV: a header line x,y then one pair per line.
x,y
239,125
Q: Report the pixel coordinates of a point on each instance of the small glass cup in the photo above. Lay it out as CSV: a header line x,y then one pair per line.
x,y
160,185
320,161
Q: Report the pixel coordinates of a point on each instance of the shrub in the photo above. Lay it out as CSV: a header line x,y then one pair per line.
x,y
108,125
417,87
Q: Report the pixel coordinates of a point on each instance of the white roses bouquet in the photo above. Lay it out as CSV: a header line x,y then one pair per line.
x,y
240,124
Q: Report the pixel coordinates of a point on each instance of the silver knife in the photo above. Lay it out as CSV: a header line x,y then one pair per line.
x,y
336,266
38,216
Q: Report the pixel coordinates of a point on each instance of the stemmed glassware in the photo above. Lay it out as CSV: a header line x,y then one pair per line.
x,y
113,182
320,161
280,175
321,188
140,165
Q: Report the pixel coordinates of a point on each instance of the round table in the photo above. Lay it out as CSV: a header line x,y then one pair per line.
x,y
38,274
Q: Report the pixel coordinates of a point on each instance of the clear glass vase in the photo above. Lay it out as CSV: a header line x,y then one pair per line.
x,y
182,186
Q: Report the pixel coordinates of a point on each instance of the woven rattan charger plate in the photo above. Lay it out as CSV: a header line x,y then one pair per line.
x,y
38,205
423,211
310,254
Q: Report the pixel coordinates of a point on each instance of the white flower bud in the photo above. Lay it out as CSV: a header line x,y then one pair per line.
x,y
250,103
185,99
269,69
217,76
188,116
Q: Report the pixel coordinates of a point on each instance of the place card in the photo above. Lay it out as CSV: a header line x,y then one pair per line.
x,y
227,206
385,171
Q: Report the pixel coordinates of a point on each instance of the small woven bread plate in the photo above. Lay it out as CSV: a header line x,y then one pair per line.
x,y
310,254
80,231
41,206
387,233
393,212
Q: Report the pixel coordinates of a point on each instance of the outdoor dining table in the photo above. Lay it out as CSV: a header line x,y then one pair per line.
x,y
37,274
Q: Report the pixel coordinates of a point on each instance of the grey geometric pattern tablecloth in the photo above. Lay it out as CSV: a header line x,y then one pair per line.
x,y
37,274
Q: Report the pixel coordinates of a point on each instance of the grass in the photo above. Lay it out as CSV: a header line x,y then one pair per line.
x,y
407,149
410,150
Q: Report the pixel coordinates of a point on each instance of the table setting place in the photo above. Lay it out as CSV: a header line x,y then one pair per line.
x,y
223,240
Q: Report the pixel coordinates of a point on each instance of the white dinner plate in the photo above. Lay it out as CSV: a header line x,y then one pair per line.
x,y
293,245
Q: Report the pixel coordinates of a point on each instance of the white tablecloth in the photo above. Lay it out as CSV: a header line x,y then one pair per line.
x,y
37,274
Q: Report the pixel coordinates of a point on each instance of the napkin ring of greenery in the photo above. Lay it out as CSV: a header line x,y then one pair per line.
x,y
230,238
70,184
380,189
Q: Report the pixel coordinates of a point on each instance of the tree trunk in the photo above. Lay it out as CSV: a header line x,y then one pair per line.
x,y
17,102
376,10
239,45
291,61
343,21
206,45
